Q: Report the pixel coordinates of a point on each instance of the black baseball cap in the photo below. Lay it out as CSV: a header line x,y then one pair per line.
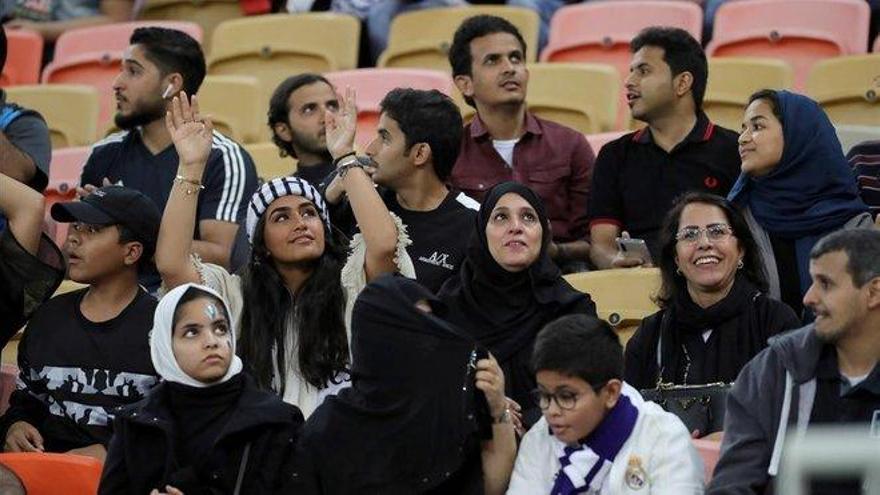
x,y
115,205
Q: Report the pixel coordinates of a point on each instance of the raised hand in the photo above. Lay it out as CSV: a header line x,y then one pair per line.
x,y
490,379
341,126
190,131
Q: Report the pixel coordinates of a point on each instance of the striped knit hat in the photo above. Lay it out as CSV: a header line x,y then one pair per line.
x,y
278,188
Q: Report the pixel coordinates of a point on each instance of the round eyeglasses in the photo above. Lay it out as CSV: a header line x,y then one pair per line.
x,y
715,233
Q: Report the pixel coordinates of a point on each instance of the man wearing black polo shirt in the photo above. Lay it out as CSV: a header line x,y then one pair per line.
x,y
638,176
826,372
159,64
416,145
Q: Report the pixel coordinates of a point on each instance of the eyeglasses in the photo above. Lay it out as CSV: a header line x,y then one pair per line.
x,y
715,233
565,400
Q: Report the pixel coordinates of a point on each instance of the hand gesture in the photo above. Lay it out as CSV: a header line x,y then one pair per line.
x,y
23,437
490,379
340,127
190,131
169,490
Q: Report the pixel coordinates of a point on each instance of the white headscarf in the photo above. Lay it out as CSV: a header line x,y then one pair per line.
x,y
161,350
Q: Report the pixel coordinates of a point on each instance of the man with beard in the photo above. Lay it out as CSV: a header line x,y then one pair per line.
x,y
159,64
296,118
824,373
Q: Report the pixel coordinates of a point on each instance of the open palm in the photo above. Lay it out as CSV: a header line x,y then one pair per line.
x,y
340,127
191,132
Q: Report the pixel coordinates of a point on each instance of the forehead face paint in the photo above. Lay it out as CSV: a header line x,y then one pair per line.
x,y
210,311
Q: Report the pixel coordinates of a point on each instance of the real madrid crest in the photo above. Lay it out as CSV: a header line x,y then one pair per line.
x,y
636,478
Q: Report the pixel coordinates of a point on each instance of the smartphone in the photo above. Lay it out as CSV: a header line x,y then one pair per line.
x,y
634,249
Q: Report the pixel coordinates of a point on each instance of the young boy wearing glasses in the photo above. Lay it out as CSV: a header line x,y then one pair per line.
x,y
598,435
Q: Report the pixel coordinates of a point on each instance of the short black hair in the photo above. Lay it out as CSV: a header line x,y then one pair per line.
x,y
126,235
173,51
2,49
460,57
279,105
427,117
862,248
580,346
673,283
681,52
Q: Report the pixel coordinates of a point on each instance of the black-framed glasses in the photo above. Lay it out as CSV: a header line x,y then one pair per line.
x,y
715,233
565,400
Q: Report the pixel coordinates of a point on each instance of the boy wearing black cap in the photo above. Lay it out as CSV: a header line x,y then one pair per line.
x,y
87,352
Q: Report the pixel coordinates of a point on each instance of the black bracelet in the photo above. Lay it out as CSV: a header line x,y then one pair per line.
x,y
343,157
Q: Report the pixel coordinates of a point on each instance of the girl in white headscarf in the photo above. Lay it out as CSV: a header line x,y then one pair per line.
x,y
206,428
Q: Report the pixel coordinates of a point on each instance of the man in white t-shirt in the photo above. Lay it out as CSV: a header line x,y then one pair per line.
x,y
598,436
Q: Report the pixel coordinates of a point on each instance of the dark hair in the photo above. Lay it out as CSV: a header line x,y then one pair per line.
x,y
862,248
2,49
671,282
460,57
681,52
126,235
279,106
318,315
772,99
173,51
581,346
192,294
427,117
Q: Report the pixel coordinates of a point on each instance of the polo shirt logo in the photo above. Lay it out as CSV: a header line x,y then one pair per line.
x,y
710,182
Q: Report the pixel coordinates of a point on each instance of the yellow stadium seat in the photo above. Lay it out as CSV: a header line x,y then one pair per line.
x,y
70,110
848,88
623,296
206,13
269,162
421,39
580,96
733,79
229,100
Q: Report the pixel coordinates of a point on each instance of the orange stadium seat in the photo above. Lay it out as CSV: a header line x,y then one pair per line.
x,y
373,84
600,32
45,474
800,32
64,173
93,56
24,54
709,451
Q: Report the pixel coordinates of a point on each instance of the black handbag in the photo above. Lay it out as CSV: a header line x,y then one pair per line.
x,y
700,407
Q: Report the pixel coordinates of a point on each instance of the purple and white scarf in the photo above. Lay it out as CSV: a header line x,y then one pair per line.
x,y
583,469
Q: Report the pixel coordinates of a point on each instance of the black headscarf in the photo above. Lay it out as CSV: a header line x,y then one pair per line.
x,y
412,415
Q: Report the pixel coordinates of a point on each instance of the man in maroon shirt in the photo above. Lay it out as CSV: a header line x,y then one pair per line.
x,y
505,142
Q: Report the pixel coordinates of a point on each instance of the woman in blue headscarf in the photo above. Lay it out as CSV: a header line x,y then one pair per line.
x,y
795,186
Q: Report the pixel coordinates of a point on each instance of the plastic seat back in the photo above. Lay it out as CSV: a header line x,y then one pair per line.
x,y
208,14
421,38
581,96
733,79
709,452
45,474
93,56
71,111
600,32
623,296
848,88
373,84
24,54
64,176
229,100
269,162
800,32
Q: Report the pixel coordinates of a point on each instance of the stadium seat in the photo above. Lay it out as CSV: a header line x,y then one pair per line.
x,y
45,474
373,84
733,79
421,38
801,32
709,452
208,14
235,116
93,55
597,141
64,175
848,88
600,32
268,161
24,54
70,110
851,135
8,375
623,296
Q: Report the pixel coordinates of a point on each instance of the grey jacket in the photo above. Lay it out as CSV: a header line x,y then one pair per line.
x,y
773,394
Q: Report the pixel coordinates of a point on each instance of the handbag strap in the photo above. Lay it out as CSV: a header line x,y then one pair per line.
x,y
241,469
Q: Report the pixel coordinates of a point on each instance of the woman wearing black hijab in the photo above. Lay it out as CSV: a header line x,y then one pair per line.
x,y
424,414
509,288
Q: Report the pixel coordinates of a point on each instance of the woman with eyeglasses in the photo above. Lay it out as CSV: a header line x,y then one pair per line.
x,y
715,313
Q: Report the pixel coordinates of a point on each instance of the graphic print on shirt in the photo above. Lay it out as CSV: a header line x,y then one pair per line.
x,y
438,259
